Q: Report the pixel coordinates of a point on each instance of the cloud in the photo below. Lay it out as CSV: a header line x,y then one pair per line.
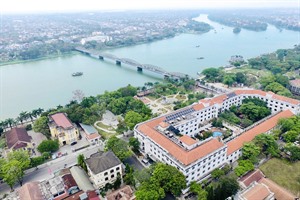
x,y
76,5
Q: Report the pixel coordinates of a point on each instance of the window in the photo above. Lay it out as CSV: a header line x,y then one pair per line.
x,y
112,176
106,179
111,171
117,168
105,173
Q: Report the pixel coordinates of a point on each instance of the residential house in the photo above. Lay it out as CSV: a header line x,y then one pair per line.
x,y
63,129
90,133
18,138
103,168
124,193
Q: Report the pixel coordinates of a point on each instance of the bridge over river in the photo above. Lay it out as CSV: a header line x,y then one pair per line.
x,y
140,67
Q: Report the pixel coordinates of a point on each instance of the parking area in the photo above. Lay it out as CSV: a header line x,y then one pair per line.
x,y
134,162
69,148
37,138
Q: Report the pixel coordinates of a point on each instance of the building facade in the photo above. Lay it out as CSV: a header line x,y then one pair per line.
x,y
104,168
168,138
63,129
18,138
295,86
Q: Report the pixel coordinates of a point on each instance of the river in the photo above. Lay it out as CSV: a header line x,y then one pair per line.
x,y
48,83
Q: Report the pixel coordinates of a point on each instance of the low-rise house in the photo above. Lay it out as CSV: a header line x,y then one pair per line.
x,y
81,179
295,86
30,191
256,186
90,133
256,191
104,168
63,129
124,193
18,138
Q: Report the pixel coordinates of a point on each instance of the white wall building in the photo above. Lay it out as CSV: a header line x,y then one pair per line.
x,y
197,159
103,168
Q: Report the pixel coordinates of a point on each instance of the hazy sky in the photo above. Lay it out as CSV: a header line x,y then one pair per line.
x,y
77,5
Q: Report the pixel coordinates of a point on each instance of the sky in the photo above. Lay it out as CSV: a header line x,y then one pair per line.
x,y
25,6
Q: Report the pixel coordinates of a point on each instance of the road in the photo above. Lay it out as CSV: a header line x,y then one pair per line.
x,y
46,170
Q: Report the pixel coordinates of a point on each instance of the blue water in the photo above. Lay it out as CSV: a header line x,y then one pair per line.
x,y
217,134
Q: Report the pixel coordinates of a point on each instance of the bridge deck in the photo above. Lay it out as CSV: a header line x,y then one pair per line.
x,y
132,62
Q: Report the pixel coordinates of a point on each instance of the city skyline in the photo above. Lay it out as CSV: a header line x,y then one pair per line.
x,y
33,6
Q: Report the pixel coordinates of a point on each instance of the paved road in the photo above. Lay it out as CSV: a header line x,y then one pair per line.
x,y
46,170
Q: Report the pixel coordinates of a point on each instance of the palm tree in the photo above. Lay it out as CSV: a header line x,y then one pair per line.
x,y
37,112
23,116
10,122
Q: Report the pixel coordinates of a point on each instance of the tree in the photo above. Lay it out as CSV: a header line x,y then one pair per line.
x,y
134,143
266,80
81,162
267,144
243,167
250,152
211,73
228,79
48,146
23,116
291,136
117,182
12,173
41,125
278,89
240,77
149,191
132,118
129,177
217,173
22,156
197,189
169,178
254,112
119,147
294,152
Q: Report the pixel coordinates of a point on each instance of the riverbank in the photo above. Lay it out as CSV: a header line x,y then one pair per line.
x,y
39,59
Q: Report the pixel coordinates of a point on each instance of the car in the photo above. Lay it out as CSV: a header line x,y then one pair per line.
x,y
73,143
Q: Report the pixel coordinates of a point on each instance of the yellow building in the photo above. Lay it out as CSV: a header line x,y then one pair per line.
x,y
63,129
18,138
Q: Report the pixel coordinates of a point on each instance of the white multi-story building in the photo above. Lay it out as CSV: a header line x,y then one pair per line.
x,y
104,168
169,138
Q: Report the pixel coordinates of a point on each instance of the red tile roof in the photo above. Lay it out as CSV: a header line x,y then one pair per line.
x,y
251,177
69,181
280,192
257,192
62,120
249,135
30,191
187,140
295,83
15,136
184,156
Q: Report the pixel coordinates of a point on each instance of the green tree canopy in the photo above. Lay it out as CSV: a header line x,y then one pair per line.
x,y
132,118
198,190
12,173
250,152
41,125
267,144
134,143
119,147
243,167
22,156
48,146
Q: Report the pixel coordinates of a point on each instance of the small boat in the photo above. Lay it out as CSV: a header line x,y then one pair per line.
x,y
77,74
200,58
198,46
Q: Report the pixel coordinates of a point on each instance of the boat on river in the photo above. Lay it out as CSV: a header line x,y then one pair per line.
x,y
77,74
200,58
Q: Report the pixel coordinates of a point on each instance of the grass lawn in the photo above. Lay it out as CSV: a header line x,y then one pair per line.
x,y
254,72
106,135
100,124
283,173
2,142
